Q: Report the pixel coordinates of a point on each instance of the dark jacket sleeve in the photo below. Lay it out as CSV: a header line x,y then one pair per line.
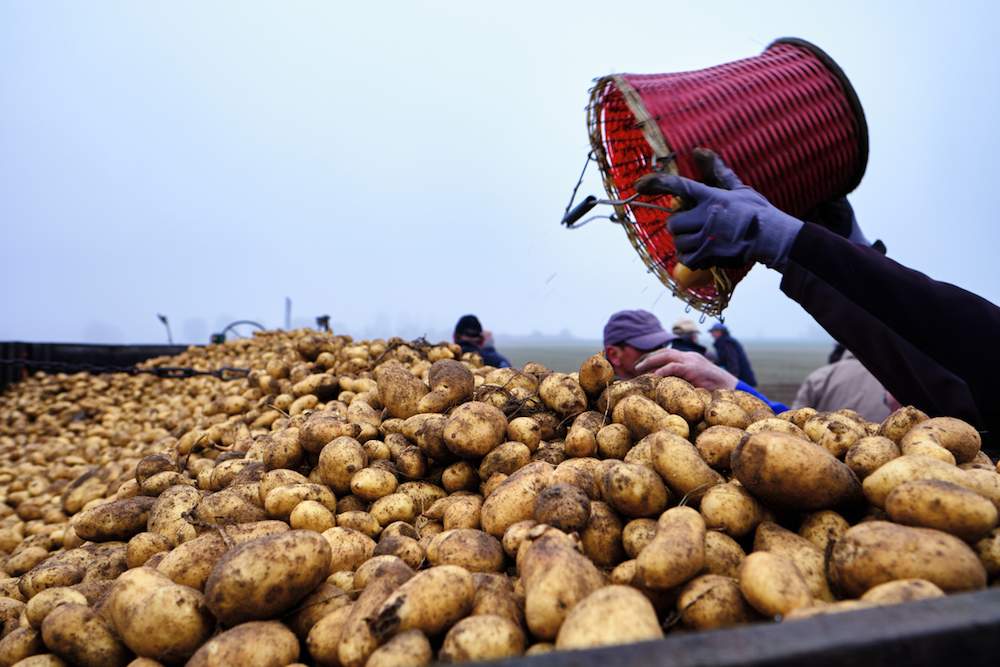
x,y
891,317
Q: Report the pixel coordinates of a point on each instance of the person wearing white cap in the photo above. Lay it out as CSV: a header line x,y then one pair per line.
x,y
687,332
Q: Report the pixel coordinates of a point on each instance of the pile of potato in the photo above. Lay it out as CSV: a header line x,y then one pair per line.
x,y
383,503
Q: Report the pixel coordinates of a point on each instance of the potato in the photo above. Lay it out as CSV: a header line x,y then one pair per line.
x,y
677,552
869,453
874,552
988,550
323,599
143,545
117,520
79,635
563,506
773,584
789,472
726,413
474,550
393,507
596,373
265,577
524,430
823,528
634,490
190,563
508,458
349,548
946,506
601,539
372,483
834,432
716,444
20,644
714,601
679,397
514,499
450,382
775,424
407,648
554,576
680,465
355,641
401,391
404,547
155,617
312,515
810,559
482,637
431,601
610,615
474,429
878,485
723,555
959,440
900,422
280,502
902,590
562,394
254,642
42,603
613,441
733,510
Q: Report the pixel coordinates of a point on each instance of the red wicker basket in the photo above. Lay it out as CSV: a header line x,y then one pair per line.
x,y
788,122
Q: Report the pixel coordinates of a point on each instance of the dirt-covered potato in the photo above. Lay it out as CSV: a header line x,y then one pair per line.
x,y
431,601
677,551
823,528
682,468
80,636
254,642
157,618
902,590
716,444
482,637
514,500
731,509
401,391
898,424
959,440
610,615
678,396
793,473
474,550
407,648
932,503
267,576
726,413
563,506
562,394
869,453
474,429
810,559
596,373
879,484
773,584
874,552
601,540
634,490
451,383
554,576
714,601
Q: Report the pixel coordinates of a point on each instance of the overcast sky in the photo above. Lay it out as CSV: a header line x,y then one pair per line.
x,y
395,165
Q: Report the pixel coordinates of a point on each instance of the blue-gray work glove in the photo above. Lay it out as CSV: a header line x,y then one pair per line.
x,y
725,223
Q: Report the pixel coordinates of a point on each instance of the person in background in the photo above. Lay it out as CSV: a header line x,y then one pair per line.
x,y
884,312
687,336
836,353
470,336
630,334
845,383
732,357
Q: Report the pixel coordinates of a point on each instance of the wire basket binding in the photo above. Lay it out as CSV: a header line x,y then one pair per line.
x,y
787,122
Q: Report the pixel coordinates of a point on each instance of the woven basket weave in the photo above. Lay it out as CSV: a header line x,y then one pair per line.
x,y
787,122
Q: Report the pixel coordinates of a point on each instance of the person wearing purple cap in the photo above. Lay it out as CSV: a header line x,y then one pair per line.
x,y
629,335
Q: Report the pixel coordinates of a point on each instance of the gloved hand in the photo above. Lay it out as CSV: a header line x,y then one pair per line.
x,y
726,223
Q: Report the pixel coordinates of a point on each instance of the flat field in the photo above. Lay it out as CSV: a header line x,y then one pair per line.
x,y
780,366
